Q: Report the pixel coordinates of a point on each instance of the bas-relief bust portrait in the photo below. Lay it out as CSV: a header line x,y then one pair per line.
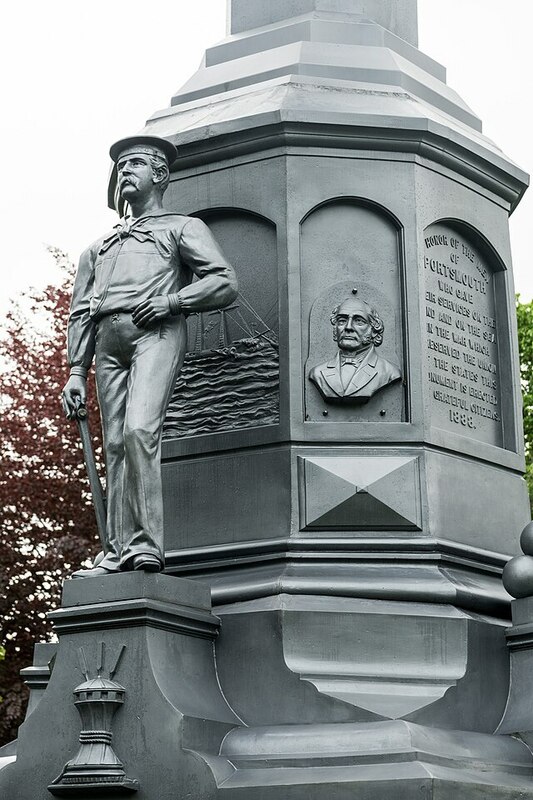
x,y
356,372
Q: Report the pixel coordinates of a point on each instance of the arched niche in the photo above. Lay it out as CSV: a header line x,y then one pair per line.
x,y
469,364
230,378
352,244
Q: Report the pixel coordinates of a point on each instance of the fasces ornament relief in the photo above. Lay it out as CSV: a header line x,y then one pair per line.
x,y
96,771
461,336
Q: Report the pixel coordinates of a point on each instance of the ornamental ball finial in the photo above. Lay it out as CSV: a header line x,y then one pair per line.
x,y
518,576
526,539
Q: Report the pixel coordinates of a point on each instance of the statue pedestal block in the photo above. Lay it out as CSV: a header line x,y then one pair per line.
x,y
135,658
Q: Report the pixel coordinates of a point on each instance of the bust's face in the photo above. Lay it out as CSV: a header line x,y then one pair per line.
x,y
352,327
135,176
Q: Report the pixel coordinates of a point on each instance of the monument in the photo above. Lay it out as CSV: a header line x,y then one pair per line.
x,y
332,620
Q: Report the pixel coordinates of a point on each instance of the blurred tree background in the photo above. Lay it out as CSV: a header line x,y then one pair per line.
x,y
524,314
47,522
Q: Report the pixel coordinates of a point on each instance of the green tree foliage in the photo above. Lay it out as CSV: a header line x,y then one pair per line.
x,y
524,313
46,517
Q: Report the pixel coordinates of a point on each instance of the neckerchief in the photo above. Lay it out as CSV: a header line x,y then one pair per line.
x,y
126,229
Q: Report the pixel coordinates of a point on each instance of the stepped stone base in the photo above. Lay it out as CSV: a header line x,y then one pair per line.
x,y
179,727
385,759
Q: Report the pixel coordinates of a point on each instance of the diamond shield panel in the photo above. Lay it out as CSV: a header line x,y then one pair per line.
x,y
365,493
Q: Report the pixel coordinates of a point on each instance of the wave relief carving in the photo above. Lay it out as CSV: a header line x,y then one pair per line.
x,y
226,388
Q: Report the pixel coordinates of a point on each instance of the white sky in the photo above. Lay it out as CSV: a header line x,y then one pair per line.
x,y
79,75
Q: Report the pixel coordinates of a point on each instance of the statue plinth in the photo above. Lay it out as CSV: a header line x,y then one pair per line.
x,y
144,645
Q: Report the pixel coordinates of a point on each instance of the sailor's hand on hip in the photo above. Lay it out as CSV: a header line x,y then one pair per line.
x,y
151,310
74,394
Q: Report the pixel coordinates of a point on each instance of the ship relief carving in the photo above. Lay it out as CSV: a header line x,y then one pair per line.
x,y
356,372
230,377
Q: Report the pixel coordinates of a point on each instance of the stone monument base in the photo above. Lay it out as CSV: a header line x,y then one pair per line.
x,y
132,698
394,759
140,701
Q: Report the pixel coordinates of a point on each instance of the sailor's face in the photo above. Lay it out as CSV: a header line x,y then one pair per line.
x,y
135,176
352,327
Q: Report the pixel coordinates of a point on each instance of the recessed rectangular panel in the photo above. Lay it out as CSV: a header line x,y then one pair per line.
x,y
360,493
234,497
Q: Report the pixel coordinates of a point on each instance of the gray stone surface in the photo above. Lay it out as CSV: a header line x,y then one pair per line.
x,y
172,699
379,492
375,174
338,659
398,16
325,50
37,676
518,717
354,173
129,587
414,752
192,720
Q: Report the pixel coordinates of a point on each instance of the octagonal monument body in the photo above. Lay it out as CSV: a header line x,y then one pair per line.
x,y
330,157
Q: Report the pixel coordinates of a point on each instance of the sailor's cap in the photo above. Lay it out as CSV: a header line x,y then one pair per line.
x,y
148,145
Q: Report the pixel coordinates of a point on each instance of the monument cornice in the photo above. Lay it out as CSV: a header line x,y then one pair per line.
x,y
361,549
135,613
426,140
418,570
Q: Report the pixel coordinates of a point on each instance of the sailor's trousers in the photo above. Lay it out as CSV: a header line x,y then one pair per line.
x,y
136,369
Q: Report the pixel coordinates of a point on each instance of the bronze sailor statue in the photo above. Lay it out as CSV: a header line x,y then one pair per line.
x,y
132,292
